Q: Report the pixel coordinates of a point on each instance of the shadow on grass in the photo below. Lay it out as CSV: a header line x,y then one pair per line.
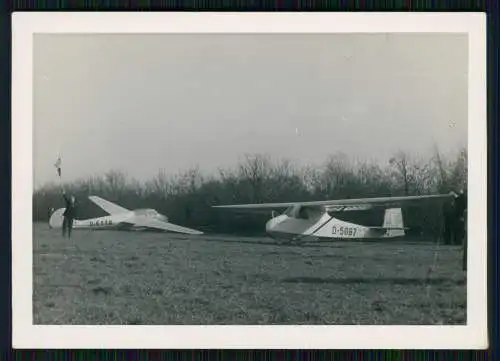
x,y
388,281
59,285
347,257
271,243
102,290
333,243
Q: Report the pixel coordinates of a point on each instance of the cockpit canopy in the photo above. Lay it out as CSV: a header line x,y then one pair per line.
x,y
148,212
297,211
300,212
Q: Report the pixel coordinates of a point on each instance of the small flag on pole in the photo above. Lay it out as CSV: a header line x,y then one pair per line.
x,y
58,166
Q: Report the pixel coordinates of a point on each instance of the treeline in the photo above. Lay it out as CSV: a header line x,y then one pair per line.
x,y
186,198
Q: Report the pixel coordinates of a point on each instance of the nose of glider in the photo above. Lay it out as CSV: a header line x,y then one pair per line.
x,y
273,222
162,217
269,224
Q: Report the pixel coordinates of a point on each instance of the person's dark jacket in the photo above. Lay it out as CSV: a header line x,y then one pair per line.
x,y
460,205
70,211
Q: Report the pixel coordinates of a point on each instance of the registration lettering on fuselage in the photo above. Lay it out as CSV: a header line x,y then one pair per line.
x,y
344,231
104,222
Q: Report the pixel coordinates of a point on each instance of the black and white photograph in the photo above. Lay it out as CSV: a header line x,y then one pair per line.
x,y
242,172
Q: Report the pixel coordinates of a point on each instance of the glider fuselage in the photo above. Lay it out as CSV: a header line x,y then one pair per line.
x,y
323,225
125,220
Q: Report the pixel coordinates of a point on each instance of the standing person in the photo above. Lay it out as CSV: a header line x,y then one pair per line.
x,y
464,244
460,208
69,214
461,224
448,222
457,217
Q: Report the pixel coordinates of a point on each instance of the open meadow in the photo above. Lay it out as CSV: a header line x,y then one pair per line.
x,y
112,277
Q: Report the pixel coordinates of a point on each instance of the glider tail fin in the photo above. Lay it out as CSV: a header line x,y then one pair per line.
x,y
393,222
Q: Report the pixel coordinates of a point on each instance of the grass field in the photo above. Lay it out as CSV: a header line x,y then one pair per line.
x,y
107,277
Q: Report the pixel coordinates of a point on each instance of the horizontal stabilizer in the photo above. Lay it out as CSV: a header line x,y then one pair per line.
x,y
390,228
108,206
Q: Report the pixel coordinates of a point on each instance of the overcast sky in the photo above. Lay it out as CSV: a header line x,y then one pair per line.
x,y
138,103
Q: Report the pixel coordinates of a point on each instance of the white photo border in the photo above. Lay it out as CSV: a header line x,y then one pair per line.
x,y
474,335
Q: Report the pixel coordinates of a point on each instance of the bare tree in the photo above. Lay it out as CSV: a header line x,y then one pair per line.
x,y
187,197
337,178
255,170
459,170
400,164
116,182
452,175
161,185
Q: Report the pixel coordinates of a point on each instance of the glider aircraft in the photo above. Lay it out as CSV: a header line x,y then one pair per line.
x,y
122,219
313,220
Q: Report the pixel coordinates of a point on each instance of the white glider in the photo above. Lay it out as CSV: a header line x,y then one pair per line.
x,y
123,219
313,219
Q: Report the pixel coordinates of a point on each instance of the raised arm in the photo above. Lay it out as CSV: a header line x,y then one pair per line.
x,y
65,196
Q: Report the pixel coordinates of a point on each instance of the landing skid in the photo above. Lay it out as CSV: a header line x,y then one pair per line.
x,y
290,242
281,240
295,240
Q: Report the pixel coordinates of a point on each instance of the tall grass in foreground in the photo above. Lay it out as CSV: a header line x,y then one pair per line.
x,y
186,198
